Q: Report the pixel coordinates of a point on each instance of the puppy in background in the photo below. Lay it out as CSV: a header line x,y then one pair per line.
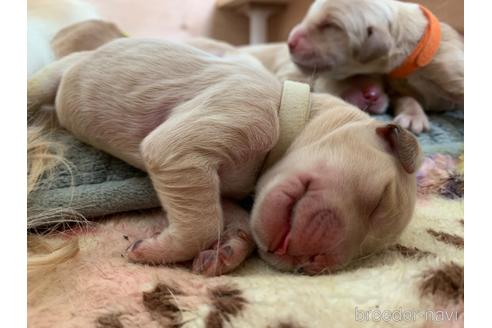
x,y
44,19
421,57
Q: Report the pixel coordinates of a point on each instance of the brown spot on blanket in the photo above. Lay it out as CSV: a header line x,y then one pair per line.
x,y
447,238
446,282
109,321
409,252
454,187
161,301
214,320
227,302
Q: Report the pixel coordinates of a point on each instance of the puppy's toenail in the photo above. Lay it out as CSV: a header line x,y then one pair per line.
x,y
243,235
135,245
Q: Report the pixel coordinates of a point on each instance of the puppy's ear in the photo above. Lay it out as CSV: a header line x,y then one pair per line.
x,y
377,44
403,144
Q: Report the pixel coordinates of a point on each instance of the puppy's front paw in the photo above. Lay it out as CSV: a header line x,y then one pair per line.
x,y
224,256
146,251
415,122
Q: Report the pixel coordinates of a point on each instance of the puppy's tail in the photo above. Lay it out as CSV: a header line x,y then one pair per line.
x,y
43,86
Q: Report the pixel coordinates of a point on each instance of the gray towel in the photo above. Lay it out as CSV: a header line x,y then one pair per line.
x,y
100,184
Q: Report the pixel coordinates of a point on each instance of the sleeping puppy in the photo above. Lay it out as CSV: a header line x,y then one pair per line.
x,y
423,58
365,92
209,129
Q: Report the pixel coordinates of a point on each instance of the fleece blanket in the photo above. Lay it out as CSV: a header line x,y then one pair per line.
x,y
418,282
97,184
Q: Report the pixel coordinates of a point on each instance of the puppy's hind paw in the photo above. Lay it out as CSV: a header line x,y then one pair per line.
x,y
225,256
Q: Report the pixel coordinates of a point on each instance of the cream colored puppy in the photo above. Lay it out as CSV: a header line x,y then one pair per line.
x,y
422,57
202,127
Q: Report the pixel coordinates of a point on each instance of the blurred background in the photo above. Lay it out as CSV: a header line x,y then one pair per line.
x,y
235,21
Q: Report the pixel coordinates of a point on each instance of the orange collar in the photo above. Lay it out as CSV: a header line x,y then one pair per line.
x,y
425,50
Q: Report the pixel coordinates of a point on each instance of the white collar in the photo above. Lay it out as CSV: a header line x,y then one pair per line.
x,y
295,107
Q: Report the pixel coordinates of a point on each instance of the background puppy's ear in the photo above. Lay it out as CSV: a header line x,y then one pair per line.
x,y
376,44
403,144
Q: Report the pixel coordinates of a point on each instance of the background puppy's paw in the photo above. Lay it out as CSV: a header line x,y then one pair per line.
x,y
416,123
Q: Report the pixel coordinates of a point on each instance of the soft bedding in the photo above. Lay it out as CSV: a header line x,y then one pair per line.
x,y
418,282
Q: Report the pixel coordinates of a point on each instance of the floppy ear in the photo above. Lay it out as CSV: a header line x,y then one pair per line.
x,y
376,44
403,144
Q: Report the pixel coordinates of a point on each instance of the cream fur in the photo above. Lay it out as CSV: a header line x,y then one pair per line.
x,y
83,36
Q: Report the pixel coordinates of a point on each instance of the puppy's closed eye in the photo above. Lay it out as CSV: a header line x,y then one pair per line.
x,y
327,25
377,204
376,44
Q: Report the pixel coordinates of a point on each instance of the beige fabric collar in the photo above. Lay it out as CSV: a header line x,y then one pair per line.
x,y
295,107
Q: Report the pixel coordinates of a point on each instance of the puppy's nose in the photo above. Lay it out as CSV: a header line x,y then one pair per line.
x,y
296,37
371,95
293,42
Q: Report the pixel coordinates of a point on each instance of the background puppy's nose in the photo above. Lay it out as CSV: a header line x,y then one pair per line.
x,y
295,38
293,43
371,94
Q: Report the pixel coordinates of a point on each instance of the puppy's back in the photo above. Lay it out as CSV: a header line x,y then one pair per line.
x,y
128,87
